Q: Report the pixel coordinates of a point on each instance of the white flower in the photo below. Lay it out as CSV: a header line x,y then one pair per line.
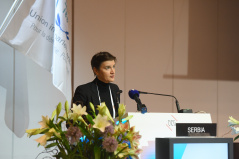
x,y
235,130
101,122
104,111
79,110
44,123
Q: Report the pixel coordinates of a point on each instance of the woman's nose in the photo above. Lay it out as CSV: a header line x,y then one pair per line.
x,y
112,70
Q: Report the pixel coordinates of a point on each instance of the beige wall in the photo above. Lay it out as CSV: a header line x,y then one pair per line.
x,y
187,48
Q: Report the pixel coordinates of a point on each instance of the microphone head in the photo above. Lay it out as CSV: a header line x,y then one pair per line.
x,y
133,92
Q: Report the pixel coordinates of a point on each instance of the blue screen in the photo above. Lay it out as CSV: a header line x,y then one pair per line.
x,y
200,150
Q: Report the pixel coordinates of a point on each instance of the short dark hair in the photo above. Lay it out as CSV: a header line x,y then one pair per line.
x,y
100,57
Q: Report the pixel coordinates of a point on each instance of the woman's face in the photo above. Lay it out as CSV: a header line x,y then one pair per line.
x,y
106,72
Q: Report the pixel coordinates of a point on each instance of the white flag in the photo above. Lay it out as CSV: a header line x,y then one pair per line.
x,y
61,67
39,29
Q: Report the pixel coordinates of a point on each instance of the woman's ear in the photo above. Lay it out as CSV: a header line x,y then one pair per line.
x,y
95,71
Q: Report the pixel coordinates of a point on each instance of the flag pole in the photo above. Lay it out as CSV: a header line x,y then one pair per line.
x,y
12,9
72,50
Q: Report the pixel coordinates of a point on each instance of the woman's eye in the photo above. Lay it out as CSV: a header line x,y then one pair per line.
x,y
109,67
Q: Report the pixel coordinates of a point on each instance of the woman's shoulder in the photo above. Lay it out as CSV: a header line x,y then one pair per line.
x,y
85,86
113,85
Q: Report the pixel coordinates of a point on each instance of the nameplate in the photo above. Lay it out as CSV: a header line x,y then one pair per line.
x,y
196,129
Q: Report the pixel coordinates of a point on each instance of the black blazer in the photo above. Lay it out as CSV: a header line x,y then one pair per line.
x,y
84,94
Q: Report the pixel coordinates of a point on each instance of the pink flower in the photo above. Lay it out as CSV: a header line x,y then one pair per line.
x,y
109,130
73,134
110,144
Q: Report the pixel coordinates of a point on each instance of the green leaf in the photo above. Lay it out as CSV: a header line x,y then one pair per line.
x,y
121,111
90,119
51,124
45,131
121,150
97,152
61,117
53,139
53,114
85,132
62,151
128,117
58,110
39,131
236,138
67,108
51,145
92,107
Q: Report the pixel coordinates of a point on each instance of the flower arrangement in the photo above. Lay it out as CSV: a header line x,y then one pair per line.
x,y
233,123
88,136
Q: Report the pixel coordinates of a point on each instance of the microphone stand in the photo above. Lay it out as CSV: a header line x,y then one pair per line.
x,y
176,101
140,107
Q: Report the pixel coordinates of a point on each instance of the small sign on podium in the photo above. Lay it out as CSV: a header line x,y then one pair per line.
x,y
196,129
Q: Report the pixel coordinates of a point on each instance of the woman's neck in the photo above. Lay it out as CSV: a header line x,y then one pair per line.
x,y
101,83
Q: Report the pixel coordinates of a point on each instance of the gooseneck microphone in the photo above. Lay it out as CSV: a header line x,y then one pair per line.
x,y
176,101
134,94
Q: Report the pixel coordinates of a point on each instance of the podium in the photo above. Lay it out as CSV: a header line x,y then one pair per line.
x,y
156,125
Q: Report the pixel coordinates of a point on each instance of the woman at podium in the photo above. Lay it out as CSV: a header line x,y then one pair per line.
x,y
101,89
